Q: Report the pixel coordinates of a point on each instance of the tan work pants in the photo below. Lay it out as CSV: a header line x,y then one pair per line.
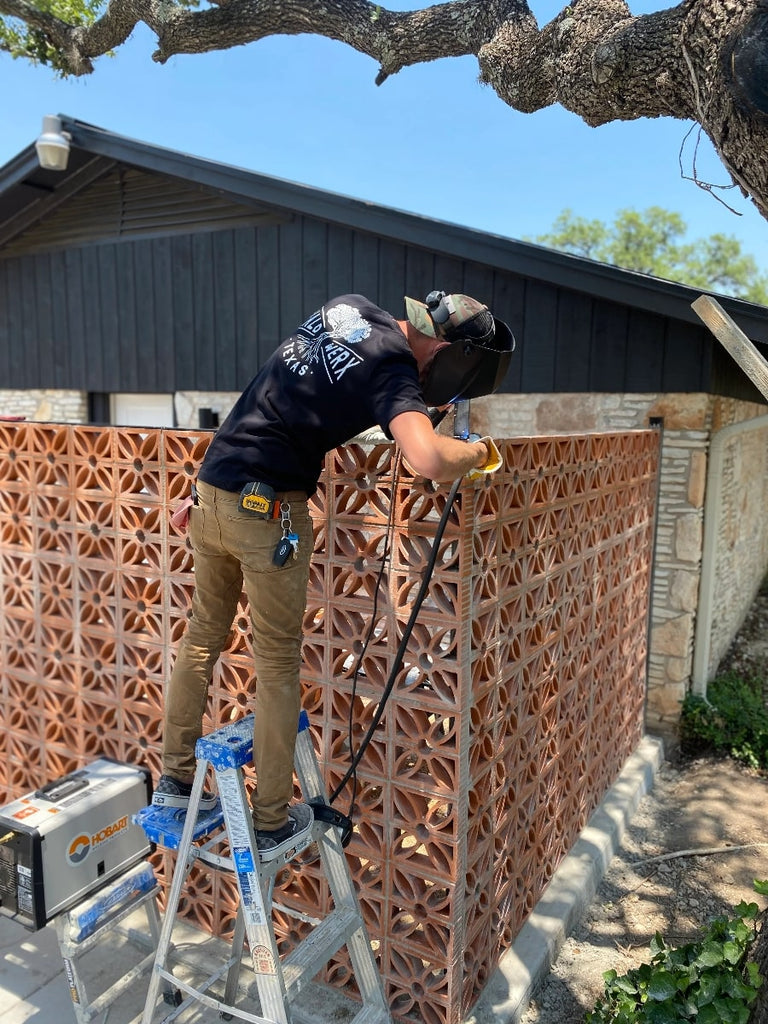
x,y
233,550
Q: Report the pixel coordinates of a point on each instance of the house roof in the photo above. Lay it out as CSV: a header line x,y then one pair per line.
x,y
27,193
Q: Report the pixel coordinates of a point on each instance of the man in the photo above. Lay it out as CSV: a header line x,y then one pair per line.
x,y
349,367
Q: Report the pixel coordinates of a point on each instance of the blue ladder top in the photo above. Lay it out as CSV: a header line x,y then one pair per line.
x,y
165,825
228,747
232,745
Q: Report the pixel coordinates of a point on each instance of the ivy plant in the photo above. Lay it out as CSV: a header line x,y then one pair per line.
x,y
710,981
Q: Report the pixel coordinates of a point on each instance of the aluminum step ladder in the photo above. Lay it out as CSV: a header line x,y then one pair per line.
x,y
86,926
229,824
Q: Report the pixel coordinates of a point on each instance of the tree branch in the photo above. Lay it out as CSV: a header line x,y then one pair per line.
x,y
707,851
396,39
702,60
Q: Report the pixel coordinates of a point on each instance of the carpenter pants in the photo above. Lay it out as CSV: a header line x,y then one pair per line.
x,y
233,550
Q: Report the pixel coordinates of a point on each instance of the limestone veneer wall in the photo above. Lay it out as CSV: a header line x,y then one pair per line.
x,y
59,406
736,534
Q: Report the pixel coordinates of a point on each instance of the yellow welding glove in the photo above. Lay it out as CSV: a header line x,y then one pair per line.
x,y
491,464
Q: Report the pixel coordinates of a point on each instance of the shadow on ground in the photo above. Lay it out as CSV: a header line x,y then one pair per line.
x,y
705,805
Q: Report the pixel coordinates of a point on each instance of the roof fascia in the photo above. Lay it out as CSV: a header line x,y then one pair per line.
x,y
16,170
666,298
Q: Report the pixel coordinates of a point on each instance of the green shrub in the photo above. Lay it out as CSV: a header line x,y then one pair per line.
x,y
711,981
733,720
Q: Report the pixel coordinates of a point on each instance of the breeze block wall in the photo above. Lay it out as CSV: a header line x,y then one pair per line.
x,y
520,697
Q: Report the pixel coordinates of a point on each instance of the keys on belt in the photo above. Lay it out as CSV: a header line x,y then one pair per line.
x,y
289,542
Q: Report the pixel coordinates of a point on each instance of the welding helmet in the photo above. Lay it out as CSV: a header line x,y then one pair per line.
x,y
475,362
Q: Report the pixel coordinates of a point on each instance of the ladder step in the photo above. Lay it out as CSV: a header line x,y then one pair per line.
x,y
232,745
314,952
126,893
165,825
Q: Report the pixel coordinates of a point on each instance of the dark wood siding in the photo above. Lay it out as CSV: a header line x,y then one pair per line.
x,y
573,332
202,310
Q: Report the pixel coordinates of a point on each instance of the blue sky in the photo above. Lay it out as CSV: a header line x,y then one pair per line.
x,y
306,109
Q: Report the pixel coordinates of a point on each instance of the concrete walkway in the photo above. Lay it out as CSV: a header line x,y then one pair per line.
x,y
33,983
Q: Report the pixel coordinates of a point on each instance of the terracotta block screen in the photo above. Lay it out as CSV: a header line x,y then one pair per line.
x,y
520,697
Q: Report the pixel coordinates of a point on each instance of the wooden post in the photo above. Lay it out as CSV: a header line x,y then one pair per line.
x,y
734,340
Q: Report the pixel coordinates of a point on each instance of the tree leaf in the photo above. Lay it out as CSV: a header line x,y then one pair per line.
x,y
662,1013
626,984
709,987
709,1015
732,952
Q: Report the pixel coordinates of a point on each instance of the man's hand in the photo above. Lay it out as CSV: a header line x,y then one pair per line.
x,y
490,464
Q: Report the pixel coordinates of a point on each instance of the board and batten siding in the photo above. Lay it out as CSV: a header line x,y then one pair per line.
x,y
202,310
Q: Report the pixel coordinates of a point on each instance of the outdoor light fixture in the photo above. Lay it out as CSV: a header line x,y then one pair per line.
x,y
53,145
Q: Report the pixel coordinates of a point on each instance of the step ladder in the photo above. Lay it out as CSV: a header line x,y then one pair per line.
x,y
86,926
229,825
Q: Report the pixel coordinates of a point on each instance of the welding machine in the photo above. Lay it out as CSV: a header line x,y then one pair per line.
x,y
69,838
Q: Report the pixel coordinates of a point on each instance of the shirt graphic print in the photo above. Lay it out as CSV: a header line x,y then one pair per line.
x,y
315,345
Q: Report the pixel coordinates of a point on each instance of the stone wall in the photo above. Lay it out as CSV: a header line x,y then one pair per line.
x,y
45,405
187,406
739,537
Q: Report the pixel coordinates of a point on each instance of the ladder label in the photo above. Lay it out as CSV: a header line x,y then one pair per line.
x,y
243,860
229,791
70,973
252,908
263,961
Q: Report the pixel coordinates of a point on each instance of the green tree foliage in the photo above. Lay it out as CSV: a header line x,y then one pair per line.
x,y
32,42
652,242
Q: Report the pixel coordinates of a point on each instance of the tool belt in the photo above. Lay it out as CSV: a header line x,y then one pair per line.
x,y
259,500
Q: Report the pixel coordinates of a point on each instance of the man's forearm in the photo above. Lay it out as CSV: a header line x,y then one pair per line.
x,y
453,458
435,456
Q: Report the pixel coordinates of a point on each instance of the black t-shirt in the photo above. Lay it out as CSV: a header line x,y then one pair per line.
x,y
346,369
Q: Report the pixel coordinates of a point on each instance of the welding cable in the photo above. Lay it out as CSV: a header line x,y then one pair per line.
x,y
372,624
422,593
436,416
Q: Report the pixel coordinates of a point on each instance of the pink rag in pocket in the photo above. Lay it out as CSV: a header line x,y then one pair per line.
x,y
180,517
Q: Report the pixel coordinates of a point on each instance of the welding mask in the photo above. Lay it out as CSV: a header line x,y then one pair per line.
x,y
475,362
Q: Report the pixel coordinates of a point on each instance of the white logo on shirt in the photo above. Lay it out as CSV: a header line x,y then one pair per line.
x,y
313,344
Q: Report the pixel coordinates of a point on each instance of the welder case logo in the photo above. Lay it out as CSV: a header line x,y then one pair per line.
x,y
79,849
81,845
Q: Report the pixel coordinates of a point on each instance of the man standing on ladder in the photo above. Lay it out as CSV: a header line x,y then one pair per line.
x,y
349,367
